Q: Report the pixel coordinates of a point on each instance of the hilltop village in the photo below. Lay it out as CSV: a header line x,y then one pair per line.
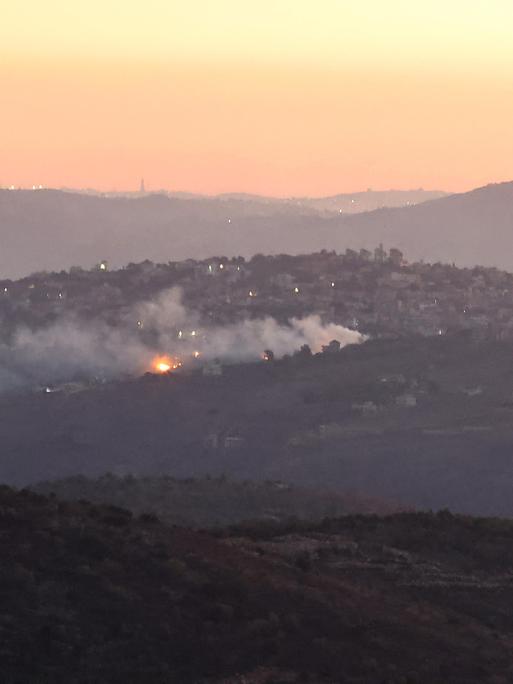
x,y
379,293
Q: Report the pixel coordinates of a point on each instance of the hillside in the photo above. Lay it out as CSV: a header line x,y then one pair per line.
x,y
467,229
92,595
211,502
334,421
347,203
50,229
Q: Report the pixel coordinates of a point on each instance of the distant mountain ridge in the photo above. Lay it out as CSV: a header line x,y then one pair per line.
x,y
52,230
470,228
345,202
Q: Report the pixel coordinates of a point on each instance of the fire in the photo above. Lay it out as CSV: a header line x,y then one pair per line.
x,y
165,364
163,367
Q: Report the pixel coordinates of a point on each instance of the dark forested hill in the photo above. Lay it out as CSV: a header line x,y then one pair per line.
x,y
91,595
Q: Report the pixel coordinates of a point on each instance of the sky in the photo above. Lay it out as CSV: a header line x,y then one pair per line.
x,y
278,97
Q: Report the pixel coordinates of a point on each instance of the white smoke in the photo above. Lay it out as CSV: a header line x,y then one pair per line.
x,y
74,347
247,339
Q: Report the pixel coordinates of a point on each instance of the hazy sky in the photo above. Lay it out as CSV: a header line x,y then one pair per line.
x,y
271,96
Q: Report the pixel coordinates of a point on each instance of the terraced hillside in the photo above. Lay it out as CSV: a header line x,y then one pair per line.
x,y
91,594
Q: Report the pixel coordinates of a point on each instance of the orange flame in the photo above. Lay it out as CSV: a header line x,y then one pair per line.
x,y
165,364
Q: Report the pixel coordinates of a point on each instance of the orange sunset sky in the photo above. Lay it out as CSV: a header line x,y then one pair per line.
x,y
282,97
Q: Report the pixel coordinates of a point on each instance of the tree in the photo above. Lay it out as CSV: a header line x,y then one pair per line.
x,y
332,348
304,351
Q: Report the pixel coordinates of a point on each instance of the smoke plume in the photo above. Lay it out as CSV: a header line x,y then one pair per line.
x,y
73,348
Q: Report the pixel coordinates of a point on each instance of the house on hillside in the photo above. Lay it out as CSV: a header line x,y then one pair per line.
x,y
406,400
366,408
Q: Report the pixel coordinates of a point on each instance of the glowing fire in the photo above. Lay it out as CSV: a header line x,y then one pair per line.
x,y
165,364
163,367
